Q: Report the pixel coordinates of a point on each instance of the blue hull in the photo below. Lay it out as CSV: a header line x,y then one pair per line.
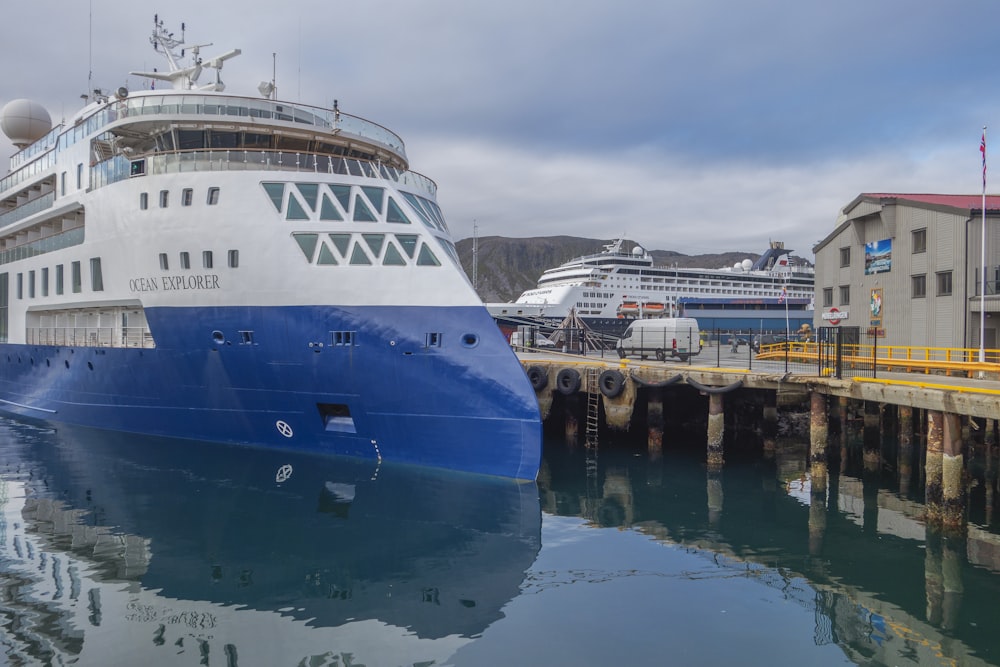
x,y
425,385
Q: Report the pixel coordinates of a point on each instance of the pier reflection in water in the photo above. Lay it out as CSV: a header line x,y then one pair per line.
x,y
127,550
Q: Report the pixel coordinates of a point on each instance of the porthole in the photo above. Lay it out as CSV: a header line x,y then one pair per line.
x,y
470,340
218,336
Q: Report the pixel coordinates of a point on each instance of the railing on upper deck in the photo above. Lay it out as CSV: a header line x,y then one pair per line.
x,y
91,336
118,168
26,209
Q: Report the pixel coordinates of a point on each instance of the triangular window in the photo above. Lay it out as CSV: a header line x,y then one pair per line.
x,y
392,257
358,256
426,257
374,242
375,196
408,242
328,210
343,195
310,192
295,210
307,242
276,191
361,211
325,255
395,214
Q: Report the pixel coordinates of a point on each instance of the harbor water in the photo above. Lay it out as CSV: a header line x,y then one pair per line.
x,y
128,550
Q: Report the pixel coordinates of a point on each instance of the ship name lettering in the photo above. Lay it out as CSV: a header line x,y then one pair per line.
x,y
143,285
199,282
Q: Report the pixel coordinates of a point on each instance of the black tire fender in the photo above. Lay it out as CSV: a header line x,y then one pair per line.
x,y
538,376
568,381
611,383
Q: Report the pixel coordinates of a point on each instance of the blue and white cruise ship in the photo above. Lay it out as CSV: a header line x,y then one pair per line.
x,y
190,263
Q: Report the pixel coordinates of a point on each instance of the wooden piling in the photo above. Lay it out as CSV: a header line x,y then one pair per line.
x,y
818,435
872,455
716,429
654,419
932,466
770,425
952,469
904,462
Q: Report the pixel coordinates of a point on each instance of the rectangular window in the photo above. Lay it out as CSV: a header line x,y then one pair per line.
x,y
918,286
845,256
185,260
234,259
59,278
845,295
62,185
143,201
79,176
45,281
919,240
432,339
164,262
206,259
213,196
827,297
342,338
20,286
96,278
75,277
246,337
944,283
187,195
31,284
164,198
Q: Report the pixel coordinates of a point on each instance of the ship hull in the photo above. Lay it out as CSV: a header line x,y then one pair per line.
x,y
459,402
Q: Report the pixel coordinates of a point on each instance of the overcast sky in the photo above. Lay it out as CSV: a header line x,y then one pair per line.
x,y
691,125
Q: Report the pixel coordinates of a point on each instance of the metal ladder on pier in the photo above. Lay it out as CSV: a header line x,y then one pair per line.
x,y
593,406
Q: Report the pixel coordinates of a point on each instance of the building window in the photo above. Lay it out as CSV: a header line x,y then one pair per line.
x,y
827,297
75,277
143,201
845,256
187,195
185,260
164,262
96,277
20,286
213,196
31,284
45,281
59,278
206,259
845,295
944,283
79,176
62,185
164,198
918,286
919,240
234,259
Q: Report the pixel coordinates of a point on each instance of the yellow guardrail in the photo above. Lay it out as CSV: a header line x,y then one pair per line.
x,y
899,358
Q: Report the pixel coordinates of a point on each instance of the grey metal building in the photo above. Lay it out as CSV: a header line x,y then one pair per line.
x,y
908,266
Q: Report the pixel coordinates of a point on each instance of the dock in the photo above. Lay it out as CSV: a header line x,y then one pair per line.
x,y
940,406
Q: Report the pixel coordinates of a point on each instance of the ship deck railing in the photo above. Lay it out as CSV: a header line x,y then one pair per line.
x,y
90,336
215,160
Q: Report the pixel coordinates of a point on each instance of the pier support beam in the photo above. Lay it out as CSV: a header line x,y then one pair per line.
x,y
770,426
654,418
842,404
818,435
573,420
716,429
952,468
932,466
872,437
905,461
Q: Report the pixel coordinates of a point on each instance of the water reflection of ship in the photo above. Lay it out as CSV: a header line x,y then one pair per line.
x,y
883,587
206,535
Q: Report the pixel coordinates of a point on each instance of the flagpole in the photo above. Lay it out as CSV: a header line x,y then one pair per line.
x,y
982,262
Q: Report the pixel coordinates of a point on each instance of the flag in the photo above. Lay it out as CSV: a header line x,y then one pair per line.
x,y
982,149
783,296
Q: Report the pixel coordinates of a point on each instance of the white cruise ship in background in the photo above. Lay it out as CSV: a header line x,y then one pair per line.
x,y
609,289
186,262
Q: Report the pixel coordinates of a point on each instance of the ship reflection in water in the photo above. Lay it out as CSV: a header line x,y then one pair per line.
x,y
122,550
125,550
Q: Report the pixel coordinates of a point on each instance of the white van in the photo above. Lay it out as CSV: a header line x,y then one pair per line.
x,y
665,337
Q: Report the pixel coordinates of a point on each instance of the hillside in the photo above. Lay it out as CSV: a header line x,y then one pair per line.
x,y
508,266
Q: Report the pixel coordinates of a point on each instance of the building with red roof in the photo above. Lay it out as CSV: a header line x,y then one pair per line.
x,y
909,267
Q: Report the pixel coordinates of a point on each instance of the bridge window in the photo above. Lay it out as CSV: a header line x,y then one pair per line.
x,y
919,240
845,257
845,295
944,283
918,286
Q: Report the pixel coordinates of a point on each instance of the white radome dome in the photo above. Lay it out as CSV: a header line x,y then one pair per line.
x,y
24,122
747,265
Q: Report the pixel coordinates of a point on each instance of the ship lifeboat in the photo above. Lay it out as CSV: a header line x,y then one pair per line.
x,y
628,309
653,309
